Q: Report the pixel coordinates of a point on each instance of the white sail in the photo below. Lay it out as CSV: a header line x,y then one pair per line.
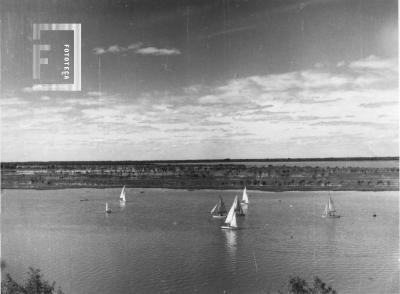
x,y
236,202
238,207
231,214
245,198
107,206
325,211
233,222
331,208
214,209
122,196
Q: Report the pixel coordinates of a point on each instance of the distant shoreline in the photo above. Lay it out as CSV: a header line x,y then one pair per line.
x,y
373,176
197,189
225,160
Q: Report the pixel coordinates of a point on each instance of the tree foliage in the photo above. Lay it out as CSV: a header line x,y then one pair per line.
x,y
298,285
35,284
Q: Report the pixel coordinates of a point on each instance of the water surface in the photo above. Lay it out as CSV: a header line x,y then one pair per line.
x,y
164,241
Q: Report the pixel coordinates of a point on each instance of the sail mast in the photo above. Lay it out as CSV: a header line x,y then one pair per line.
x,y
238,207
214,209
326,210
221,207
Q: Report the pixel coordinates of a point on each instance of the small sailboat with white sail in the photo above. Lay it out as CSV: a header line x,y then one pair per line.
x,y
108,210
230,221
238,208
122,197
219,210
330,210
245,197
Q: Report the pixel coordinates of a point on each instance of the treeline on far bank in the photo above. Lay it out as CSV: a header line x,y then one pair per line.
x,y
57,175
190,161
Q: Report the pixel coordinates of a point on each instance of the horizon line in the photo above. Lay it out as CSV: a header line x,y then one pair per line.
x,y
280,159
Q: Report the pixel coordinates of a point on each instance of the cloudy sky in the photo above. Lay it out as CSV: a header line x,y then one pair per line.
x,y
207,79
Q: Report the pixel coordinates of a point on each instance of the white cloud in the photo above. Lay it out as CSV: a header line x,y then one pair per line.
x,y
157,51
137,49
319,65
27,89
341,64
12,101
314,101
95,93
99,51
209,99
135,46
374,63
111,49
89,101
269,111
380,104
115,49
193,89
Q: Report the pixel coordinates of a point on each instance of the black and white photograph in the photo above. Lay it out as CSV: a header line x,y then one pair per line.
x,y
199,146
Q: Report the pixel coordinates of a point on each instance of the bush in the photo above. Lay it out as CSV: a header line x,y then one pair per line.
x,y
35,284
298,285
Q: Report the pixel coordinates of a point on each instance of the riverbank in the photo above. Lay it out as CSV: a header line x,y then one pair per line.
x,y
193,175
204,188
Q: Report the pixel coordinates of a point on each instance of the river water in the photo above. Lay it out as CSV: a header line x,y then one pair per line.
x,y
164,241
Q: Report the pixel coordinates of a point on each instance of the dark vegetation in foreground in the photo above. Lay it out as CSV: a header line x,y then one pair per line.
x,y
196,175
35,284
298,285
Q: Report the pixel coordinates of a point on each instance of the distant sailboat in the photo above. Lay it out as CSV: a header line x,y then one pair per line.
x,y
108,210
238,208
330,210
245,198
122,198
230,221
219,210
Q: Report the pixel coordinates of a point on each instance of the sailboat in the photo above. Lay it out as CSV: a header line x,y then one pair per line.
x,y
238,208
219,210
108,210
245,198
122,199
230,221
330,210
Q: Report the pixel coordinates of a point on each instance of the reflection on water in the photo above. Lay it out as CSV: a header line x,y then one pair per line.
x,y
165,241
331,224
245,208
231,242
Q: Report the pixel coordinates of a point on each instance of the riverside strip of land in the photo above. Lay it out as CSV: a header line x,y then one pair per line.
x,y
258,174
